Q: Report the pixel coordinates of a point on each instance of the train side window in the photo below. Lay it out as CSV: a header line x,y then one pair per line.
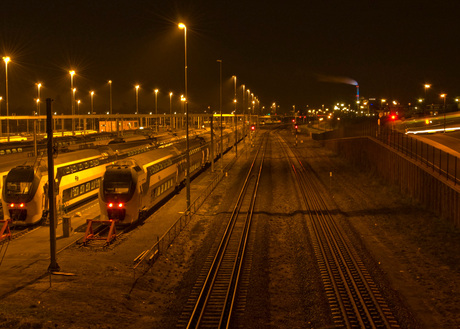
x,y
8,151
93,184
86,164
88,187
75,191
96,162
74,168
19,149
2,152
91,163
82,188
97,182
80,166
66,195
66,170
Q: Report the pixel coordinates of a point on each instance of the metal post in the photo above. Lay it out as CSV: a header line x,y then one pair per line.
x,y
110,99
7,108
221,127
212,144
187,152
236,117
53,267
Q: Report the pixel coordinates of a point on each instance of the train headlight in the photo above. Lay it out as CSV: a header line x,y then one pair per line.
x,y
21,205
12,205
120,205
110,205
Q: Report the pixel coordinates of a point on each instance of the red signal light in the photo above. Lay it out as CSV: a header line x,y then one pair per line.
x,y
393,117
253,127
293,120
295,126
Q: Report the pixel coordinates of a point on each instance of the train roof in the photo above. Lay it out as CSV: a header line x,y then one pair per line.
x,y
145,158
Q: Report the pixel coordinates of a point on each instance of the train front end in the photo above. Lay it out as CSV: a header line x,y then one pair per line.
x,y
23,198
118,199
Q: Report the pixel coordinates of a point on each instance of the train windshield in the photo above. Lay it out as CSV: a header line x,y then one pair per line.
x,y
18,188
19,181
116,187
119,182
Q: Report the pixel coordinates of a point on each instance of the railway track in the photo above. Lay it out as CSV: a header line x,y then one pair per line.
x,y
214,298
354,298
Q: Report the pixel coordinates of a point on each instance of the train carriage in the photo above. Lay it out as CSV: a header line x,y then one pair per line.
x,y
133,186
77,176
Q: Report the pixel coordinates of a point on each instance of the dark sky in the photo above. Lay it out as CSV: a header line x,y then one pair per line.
x,y
284,51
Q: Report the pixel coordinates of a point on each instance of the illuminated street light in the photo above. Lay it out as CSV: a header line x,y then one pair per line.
x,y
221,121
426,86
236,116
187,153
137,99
170,110
39,85
444,96
78,113
92,101
38,104
110,96
72,99
6,59
156,110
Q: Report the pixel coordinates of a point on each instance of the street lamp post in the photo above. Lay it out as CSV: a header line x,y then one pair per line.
x,y
170,110
110,96
444,96
6,60
244,119
72,99
236,117
93,125
426,86
92,101
156,110
137,103
183,27
221,127
38,104
78,113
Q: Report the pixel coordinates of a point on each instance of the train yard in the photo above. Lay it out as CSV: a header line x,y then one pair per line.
x,y
282,284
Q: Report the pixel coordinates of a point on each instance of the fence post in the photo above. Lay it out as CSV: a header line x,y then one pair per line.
x,y
456,170
447,167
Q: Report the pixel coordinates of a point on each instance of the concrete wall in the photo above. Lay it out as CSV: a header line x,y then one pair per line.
x,y
412,178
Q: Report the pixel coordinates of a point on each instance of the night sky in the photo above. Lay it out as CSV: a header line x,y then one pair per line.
x,y
288,52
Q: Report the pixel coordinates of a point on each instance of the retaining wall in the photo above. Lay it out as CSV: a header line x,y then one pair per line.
x,y
413,179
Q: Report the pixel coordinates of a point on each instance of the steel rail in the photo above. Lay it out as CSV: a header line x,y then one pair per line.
x,y
354,299
214,305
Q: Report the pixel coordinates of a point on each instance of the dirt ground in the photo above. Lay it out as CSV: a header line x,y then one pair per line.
x,y
414,253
